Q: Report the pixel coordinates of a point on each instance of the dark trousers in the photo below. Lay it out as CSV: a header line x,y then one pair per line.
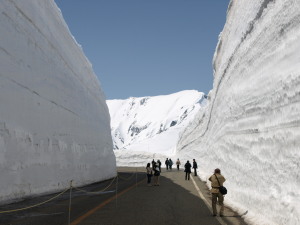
x,y
149,178
167,166
195,171
187,175
177,167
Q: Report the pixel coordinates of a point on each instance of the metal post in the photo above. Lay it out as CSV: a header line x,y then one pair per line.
x,y
117,183
70,201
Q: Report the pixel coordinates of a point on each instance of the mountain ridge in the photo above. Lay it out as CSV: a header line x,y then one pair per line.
x,y
137,120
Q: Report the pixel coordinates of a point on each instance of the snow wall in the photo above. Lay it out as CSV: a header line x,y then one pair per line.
x,y
250,128
54,121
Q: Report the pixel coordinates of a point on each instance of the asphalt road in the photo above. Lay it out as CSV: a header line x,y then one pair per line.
x,y
127,201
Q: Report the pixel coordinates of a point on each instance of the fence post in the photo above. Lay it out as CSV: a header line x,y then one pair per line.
x,y
70,202
117,183
135,177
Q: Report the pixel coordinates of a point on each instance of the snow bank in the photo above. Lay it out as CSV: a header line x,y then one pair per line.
x,y
250,129
54,121
152,124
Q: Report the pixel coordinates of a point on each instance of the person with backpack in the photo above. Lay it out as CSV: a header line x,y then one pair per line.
x,y
149,174
156,175
195,166
187,170
178,164
170,163
217,181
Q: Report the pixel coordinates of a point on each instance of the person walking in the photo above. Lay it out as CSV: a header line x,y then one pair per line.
x,y
156,175
170,163
217,180
195,166
187,170
178,164
149,174
167,163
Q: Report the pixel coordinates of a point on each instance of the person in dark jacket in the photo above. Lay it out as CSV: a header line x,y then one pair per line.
x,y
156,175
167,163
153,163
195,166
187,170
159,165
170,163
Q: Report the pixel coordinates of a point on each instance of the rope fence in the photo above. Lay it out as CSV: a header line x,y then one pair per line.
x,y
96,192
127,178
70,188
29,207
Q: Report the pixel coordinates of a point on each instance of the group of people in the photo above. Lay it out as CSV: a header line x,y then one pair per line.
x,y
216,179
187,169
155,170
169,163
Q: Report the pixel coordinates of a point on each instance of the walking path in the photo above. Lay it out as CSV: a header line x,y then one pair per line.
x,y
176,201
127,200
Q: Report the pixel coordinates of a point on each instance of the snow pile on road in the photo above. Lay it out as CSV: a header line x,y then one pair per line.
x,y
149,127
250,128
54,121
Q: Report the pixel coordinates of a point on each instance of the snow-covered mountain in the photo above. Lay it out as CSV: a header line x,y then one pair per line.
x,y
251,126
152,124
54,121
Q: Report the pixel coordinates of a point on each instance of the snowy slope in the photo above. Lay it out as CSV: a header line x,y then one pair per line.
x,y
54,121
151,125
250,129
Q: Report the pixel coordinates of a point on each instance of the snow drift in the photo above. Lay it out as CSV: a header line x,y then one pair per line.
x,y
148,127
250,128
54,121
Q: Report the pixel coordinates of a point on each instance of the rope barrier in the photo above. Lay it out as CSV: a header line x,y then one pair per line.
x,y
96,192
70,188
127,178
29,207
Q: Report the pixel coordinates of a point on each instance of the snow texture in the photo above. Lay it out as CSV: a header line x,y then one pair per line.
x,y
54,121
150,126
250,128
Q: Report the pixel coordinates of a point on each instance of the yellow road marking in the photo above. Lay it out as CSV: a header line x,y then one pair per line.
x,y
92,211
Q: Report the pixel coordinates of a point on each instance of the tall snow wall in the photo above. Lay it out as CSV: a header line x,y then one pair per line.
x,y
250,128
54,121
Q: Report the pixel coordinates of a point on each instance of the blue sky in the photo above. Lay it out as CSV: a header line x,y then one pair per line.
x,y
147,47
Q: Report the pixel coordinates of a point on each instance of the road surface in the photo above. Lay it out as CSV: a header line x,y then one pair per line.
x,y
126,200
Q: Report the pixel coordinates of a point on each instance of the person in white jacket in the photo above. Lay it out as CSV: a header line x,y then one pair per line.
x,y
149,174
178,164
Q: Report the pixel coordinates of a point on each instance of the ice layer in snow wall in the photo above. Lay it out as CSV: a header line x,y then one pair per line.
x,y
251,127
54,121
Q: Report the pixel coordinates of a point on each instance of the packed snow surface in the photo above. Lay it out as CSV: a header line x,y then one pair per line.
x,y
54,121
250,128
150,126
